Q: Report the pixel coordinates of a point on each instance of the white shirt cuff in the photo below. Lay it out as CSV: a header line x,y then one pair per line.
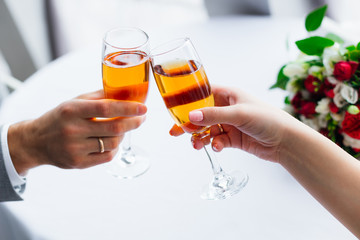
x,y
15,179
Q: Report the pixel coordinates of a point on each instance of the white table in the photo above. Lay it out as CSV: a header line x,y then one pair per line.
x,y
164,203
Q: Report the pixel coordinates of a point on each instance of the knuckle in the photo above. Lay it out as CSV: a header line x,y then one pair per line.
x,y
108,156
114,143
116,128
128,110
213,115
66,110
103,108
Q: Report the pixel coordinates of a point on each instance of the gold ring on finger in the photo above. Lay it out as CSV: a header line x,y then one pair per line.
x,y
101,145
220,128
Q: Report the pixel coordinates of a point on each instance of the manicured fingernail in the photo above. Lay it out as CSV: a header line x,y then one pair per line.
x,y
215,147
193,143
196,116
196,146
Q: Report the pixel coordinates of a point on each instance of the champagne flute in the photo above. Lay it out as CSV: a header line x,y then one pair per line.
x,y
183,85
125,73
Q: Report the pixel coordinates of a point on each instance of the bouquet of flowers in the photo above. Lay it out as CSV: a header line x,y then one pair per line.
x,y
323,85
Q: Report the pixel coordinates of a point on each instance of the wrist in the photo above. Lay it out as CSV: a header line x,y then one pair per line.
x,y
304,147
22,148
298,140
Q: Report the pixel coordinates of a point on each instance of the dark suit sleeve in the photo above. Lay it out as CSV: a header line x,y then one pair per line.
x,y
7,192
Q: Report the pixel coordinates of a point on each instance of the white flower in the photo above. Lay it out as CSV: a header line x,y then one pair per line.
x,y
315,71
339,117
322,121
330,56
337,88
339,100
332,80
349,94
351,142
311,122
302,57
291,85
296,69
323,106
344,94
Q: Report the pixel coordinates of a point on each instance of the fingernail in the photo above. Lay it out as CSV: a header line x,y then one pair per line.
x,y
193,143
196,116
215,147
141,109
196,146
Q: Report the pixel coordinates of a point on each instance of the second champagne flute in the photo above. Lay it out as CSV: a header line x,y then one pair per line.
x,y
183,85
125,73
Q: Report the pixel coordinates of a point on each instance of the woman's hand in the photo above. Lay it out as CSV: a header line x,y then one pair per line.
x,y
247,123
67,136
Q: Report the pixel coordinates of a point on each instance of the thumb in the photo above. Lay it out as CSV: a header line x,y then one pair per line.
x,y
214,115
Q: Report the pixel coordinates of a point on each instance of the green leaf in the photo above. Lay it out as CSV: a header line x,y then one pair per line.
x,y
354,55
287,100
282,80
356,154
314,45
315,63
358,46
314,19
351,48
335,38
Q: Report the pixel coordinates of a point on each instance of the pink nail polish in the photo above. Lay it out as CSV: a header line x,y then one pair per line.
x,y
196,116
215,147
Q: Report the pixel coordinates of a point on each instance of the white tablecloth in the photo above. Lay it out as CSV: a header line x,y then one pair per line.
x,y
164,203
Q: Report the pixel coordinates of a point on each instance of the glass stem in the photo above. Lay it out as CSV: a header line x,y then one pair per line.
x,y
127,155
126,146
217,170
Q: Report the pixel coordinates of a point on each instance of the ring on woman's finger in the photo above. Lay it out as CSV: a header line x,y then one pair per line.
x,y
220,128
101,145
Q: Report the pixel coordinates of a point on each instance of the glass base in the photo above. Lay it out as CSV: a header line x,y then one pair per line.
x,y
225,185
129,164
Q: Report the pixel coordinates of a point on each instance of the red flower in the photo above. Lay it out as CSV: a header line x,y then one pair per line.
x,y
328,88
329,93
333,108
351,125
324,132
344,70
328,84
312,84
307,108
296,100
